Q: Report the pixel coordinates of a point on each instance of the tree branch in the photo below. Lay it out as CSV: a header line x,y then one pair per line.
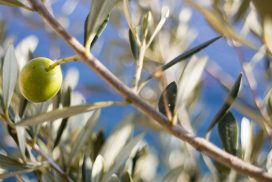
x,y
198,143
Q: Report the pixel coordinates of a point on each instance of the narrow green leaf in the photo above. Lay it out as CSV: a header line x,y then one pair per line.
x,y
123,156
83,136
100,30
243,8
63,113
229,133
66,103
97,144
98,167
99,11
13,3
114,178
228,102
173,174
16,172
168,99
12,164
184,56
10,74
133,45
111,148
189,53
86,169
126,177
21,137
269,162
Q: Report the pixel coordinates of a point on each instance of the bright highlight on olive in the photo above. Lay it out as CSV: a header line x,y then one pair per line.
x,y
37,83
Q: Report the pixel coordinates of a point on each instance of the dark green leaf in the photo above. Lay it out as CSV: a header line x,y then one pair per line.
x,y
168,99
184,56
133,45
98,143
100,30
86,169
229,133
98,13
126,177
243,8
66,103
228,102
10,74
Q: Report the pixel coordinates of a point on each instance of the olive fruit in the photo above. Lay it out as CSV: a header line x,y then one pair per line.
x,y
37,83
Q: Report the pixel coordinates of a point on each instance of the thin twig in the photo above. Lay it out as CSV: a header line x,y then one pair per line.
x,y
198,143
139,67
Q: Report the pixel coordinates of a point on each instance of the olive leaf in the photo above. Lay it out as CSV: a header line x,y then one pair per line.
x,y
123,156
126,177
133,45
97,171
168,99
86,169
246,138
228,102
184,56
13,3
83,136
99,11
66,103
220,25
63,113
100,30
120,134
269,162
10,74
229,133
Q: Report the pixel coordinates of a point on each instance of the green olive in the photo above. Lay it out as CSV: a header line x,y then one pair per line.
x,y
36,83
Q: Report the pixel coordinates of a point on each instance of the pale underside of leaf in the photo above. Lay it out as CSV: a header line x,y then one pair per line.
x,y
63,113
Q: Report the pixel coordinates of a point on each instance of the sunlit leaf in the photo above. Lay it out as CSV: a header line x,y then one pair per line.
x,y
10,74
123,156
9,163
217,22
269,162
63,113
228,102
99,11
112,148
100,30
229,133
173,174
114,178
97,171
246,138
86,169
21,135
167,99
13,3
83,136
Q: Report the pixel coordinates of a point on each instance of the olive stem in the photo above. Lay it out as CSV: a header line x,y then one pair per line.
x,y
62,61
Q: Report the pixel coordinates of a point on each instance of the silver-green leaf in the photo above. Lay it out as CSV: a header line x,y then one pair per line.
x,y
10,74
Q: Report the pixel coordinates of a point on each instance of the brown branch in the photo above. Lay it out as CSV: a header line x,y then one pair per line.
x,y
198,143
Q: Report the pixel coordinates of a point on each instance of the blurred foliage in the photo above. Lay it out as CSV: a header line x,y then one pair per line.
x,y
61,140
